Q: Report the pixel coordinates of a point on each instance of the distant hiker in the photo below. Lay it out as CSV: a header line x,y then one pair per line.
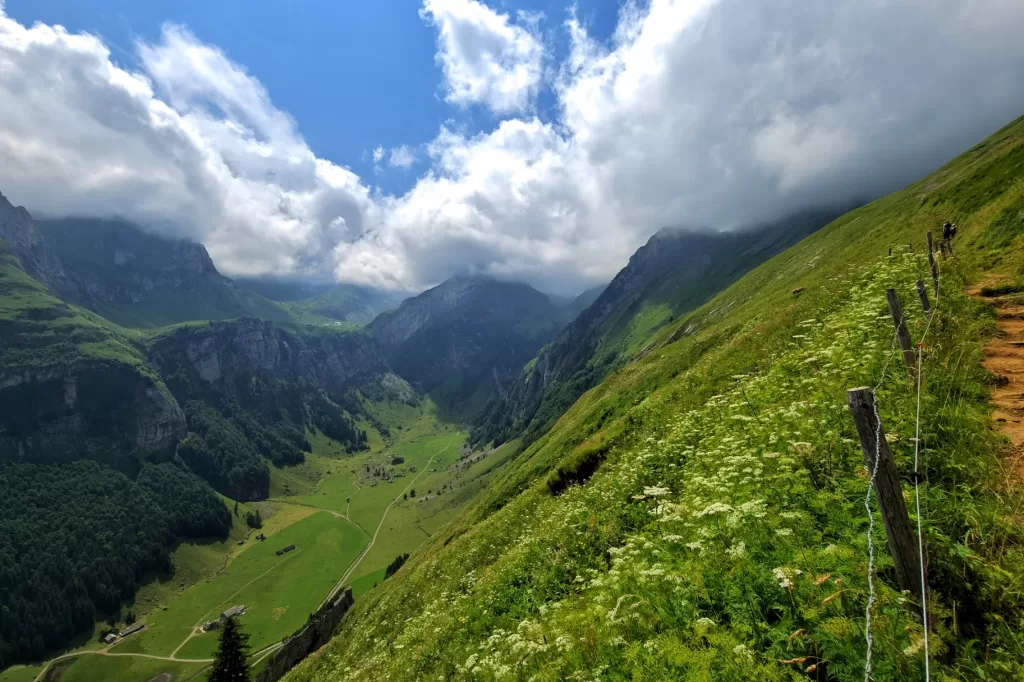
x,y
948,231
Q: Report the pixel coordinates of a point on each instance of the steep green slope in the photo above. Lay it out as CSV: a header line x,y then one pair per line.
x,y
674,273
699,514
139,280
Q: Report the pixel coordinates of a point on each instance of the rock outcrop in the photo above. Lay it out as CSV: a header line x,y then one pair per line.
x,y
317,632
106,411
220,354
19,232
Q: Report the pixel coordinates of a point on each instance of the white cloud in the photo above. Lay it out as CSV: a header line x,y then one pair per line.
x,y
717,112
402,157
486,57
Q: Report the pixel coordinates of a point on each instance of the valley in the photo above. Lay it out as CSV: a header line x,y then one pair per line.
x,y
330,509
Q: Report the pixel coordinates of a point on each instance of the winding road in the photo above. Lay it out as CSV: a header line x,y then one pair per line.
x,y
384,516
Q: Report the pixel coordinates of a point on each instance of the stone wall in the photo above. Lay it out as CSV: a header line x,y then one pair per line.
x,y
312,636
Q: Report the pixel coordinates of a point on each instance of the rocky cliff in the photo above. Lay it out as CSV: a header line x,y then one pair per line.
x,y
72,385
19,232
312,636
226,355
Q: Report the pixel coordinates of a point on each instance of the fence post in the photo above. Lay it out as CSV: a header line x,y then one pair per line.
x,y
931,263
898,531
922,294
896,310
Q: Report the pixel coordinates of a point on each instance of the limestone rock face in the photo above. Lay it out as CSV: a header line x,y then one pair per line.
x,y
222,353
103,412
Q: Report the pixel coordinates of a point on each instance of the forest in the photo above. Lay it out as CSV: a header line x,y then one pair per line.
x,y
77,539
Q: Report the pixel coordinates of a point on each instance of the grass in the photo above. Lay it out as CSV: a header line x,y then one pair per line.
x,y
279,592
20,673
722,534
367,582
102,668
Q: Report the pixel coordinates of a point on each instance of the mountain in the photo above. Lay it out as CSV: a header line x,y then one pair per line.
x,y
113,441
283,289
467,338
575,306
346,303
321,302
26,244
674,273
136,279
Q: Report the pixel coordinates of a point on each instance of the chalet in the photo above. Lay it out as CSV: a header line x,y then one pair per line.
x,y
285,550
211,625
233,611
110,638
132,630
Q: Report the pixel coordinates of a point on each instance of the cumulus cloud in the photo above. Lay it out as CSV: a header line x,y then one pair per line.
x,y
704,112
487,58
402,157
190,147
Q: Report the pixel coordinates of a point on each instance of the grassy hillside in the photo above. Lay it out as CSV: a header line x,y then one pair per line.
x,y
699,515
41,331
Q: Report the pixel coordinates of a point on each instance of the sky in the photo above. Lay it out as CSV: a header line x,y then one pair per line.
x,y
398,143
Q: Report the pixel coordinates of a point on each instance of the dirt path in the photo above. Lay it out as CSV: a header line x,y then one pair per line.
x,y
1004,357
366,550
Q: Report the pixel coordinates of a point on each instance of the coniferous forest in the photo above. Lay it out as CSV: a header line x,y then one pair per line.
x,y
76,538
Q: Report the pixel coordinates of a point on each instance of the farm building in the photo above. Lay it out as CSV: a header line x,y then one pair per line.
x,y
233,611
285,550
211,625
132,630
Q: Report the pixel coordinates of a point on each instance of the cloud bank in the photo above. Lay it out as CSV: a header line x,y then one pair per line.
x,y
709,112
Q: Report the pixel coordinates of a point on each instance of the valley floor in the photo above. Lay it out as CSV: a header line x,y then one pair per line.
x,y
348,516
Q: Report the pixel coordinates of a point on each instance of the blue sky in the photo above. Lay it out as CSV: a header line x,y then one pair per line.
x,y
354,74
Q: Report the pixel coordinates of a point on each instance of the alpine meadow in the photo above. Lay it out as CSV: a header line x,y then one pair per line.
x,y
461,340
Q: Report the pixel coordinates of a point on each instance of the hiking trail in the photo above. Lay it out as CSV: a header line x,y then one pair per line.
x,y
1004,357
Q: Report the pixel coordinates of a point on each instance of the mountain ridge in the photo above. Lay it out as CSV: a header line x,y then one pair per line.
x,y
674,272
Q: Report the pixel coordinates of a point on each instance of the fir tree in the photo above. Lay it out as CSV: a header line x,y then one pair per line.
x,y
230,664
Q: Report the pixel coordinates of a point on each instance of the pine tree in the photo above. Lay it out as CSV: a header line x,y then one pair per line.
x,y
230,664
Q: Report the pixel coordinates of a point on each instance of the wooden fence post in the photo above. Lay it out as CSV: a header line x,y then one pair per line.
x,y
896,310
898,531
922,294
931,264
